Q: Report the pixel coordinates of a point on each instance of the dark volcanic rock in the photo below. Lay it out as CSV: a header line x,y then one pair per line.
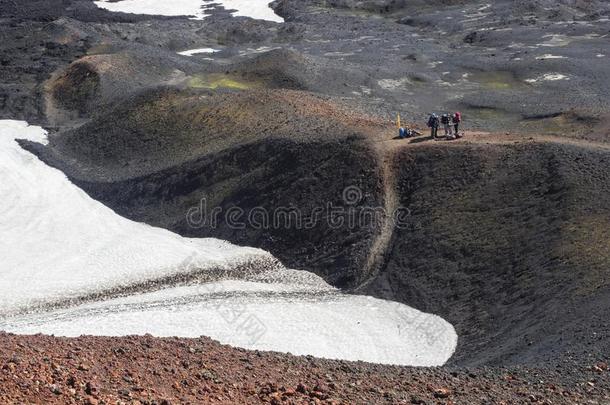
x,y
509,244
77,87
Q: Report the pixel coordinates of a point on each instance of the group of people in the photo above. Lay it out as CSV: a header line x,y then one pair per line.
x,y
450,123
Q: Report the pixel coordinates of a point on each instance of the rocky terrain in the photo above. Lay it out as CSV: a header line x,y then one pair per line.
x,y
146,370
507,233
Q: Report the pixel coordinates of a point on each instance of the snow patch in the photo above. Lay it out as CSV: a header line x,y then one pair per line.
x,y
257,9
444,83
555,40
256,316
261,49
339,54
191,52
394,84
549,56
551,77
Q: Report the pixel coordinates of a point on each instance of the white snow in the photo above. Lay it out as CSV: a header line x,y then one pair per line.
x,y
193,8
261,49
332,326
549,56
549,77
58,244
257,9
555,40
558,40
191,52
394,84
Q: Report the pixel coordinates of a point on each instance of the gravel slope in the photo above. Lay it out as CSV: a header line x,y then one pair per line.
x,y
144,370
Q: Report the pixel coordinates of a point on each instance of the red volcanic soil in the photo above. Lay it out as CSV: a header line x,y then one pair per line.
x,y
146,370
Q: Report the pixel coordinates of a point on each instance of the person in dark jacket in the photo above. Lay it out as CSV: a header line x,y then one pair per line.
x,y
446,121
433,124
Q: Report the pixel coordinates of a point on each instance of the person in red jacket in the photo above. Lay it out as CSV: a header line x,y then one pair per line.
x,y
456,118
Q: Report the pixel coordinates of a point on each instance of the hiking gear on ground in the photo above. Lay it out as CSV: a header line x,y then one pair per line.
x,y
405,133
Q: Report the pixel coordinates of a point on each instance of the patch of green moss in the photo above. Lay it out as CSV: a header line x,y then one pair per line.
x,y
559,125
221,81
488,113
496,80
418,80
102,49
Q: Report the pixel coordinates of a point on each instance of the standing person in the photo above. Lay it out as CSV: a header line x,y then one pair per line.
x,y
446,125
433,125
456,119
